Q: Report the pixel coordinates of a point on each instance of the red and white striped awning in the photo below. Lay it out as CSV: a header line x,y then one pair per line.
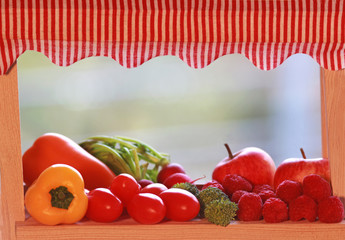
x,y
197,31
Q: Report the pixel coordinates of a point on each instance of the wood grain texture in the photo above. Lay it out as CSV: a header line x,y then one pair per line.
x,y
334,96
198,229
10,155
324,140
1,221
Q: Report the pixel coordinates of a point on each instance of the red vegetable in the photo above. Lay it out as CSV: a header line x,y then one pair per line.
x,y
169,170
154,188
181,205
53,148
176,178
125,187
144,182
146,208
103,206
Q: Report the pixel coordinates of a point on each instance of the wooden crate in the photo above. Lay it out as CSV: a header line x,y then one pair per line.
x,y
14,224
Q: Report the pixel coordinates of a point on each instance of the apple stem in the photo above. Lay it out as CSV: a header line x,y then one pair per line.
x,y
229,151
303,154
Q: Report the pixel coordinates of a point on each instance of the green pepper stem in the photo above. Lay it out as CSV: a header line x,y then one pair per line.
x,y
61,197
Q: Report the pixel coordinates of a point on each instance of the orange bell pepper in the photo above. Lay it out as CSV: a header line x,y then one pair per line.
x,y
57,196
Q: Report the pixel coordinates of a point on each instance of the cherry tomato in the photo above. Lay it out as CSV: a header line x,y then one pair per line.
x,y
146,208
103,206
155,188
169,170
144,182
181,205
124,186
176,178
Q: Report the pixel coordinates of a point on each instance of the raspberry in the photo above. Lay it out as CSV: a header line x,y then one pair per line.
x,y
213,183
249,207
237,195
303,207
233,182
266,194
316,187
331,210
289,190
262,187
275,210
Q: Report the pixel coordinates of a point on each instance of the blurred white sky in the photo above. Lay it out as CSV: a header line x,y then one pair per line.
x,y
186,112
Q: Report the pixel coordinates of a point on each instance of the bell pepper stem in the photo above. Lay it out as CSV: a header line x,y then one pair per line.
x,y
61,197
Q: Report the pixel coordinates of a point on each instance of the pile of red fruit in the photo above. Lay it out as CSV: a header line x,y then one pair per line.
x,y
144,201
308,198
150,203
292,200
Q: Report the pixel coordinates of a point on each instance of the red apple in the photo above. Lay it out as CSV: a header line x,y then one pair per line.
x,y
252,163
297,168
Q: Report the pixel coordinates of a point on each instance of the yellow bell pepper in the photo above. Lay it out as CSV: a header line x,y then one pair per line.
x,y
57,196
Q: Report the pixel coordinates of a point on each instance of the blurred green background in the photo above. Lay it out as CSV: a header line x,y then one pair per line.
x,y
188,113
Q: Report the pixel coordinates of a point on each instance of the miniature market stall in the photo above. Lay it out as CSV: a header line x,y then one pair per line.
x,y
198,32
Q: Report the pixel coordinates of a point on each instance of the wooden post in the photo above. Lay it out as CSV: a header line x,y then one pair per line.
x,y
333,95
12,196
324,139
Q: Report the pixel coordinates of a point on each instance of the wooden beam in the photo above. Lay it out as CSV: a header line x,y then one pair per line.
x,y
127,228
324,138
12,195
333,91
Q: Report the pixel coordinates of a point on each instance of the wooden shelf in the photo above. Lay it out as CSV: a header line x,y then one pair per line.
x,y
127,228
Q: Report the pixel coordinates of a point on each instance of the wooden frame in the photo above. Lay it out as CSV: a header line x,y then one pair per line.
x,y
14,225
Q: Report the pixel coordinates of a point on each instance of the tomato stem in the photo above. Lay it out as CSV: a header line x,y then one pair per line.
x,y
192,182
61,197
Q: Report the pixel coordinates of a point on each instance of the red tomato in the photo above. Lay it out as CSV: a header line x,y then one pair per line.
x,y
146,208
181,205
176,178
169,170
144,182
124,186
103,206
155,188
